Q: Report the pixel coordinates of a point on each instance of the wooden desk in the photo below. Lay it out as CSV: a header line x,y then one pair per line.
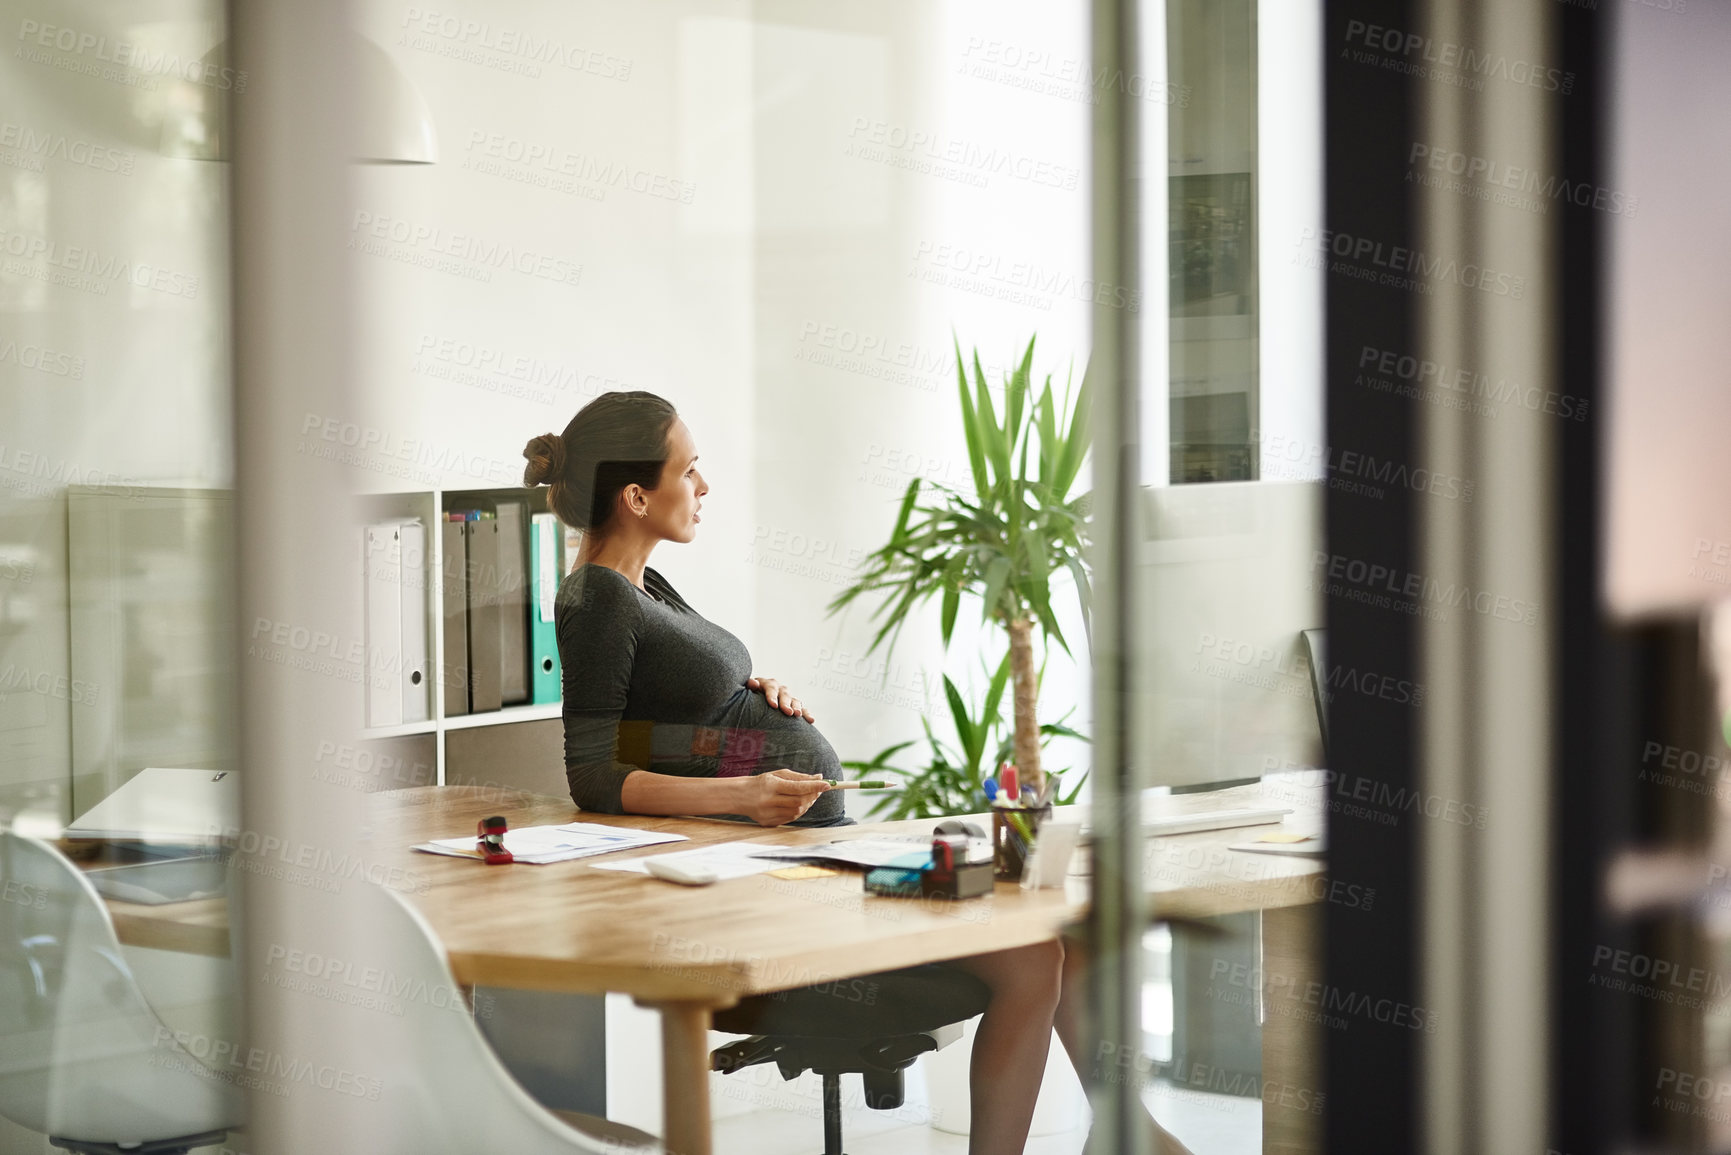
x,y
689,952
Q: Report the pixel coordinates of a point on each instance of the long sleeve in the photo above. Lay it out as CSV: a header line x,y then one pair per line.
x,y
599,620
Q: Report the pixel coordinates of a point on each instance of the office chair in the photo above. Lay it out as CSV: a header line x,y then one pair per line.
x,y
875,1026
444,1089
84,1059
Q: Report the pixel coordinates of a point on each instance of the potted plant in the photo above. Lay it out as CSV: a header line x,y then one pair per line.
x,y
951,780
1002,543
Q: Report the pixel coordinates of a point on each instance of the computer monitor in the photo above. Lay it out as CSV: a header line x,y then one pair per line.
x,y
1222,683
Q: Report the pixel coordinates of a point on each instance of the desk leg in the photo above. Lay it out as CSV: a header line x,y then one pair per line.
x,y
685,1077
1291,1043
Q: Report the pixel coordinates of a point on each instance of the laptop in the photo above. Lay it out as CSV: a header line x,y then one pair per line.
x,y
166,806
173,818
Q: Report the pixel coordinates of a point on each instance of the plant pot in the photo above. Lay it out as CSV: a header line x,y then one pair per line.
x,y
1058,1111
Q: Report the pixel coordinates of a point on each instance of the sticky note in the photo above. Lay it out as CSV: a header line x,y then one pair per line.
x,y
798,872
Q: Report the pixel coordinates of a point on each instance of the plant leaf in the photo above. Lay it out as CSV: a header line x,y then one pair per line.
x,y
976,447
991,435
959,715
1075,442
997,573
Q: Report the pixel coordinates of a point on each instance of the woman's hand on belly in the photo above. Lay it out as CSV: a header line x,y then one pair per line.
x,y
780,697
781,796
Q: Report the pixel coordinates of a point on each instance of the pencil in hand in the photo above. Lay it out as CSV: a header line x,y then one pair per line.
x,y
869,784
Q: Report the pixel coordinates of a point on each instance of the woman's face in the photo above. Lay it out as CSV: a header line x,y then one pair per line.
x,y
674,504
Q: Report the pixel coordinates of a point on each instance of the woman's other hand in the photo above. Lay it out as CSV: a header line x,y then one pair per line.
x,y
780,697
780,796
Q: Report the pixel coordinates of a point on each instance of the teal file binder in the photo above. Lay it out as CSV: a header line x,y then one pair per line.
x,y
545,572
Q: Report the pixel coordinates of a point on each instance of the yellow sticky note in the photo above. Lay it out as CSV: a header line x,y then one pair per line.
x,y
798,872
1283,836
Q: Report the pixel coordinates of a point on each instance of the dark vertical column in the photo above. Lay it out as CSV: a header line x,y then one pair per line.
x,y
1593,1052
1370,1069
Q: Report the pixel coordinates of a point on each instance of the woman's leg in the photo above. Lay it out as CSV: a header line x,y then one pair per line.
x,y
1071,1019
1011,1045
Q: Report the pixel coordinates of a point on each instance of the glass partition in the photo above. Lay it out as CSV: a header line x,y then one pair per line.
x,y
118,713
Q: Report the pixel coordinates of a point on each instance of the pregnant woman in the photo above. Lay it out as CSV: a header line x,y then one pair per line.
x,y
664,714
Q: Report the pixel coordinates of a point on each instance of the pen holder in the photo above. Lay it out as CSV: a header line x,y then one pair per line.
x,y
1014,830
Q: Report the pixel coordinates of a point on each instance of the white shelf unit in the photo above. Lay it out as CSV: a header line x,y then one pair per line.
x,y
430,506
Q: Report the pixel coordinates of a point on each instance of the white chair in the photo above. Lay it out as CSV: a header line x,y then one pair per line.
x,y
83,1058
443,1087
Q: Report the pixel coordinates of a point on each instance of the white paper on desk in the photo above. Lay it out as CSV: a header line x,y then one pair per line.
x,y
1310,848
539,845
726,859
866,852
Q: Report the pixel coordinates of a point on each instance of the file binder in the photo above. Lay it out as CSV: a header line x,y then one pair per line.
x,y
412,573
545,573
454,606
513,605
383,648
481,536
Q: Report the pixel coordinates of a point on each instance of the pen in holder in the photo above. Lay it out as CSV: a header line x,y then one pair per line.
x,y
1014,829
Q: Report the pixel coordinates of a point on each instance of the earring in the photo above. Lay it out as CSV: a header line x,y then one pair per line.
x,y
644,512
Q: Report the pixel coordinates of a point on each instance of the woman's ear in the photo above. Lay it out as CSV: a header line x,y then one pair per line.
x,y
636,502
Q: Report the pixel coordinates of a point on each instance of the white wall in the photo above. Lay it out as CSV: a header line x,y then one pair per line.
x,y
788,307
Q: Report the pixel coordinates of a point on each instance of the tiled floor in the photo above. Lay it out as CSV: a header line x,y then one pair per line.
x,y
1208,1124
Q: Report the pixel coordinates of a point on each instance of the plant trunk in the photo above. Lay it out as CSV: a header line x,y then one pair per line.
x,y
1024,680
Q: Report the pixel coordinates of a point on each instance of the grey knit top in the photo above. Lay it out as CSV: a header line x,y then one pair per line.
x,y
649,684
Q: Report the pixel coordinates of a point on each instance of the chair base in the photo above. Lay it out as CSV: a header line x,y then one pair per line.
x,y
878,1062
178,1146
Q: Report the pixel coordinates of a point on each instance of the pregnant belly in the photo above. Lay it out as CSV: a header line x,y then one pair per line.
x,y
762,739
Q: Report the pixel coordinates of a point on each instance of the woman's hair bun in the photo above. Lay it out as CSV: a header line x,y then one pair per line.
x,y
546,457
